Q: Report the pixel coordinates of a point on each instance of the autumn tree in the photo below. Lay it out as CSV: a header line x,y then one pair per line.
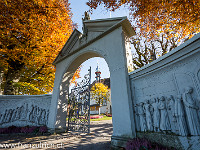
x,y
154,15
148,51
31,35
160,25
76,76
100,93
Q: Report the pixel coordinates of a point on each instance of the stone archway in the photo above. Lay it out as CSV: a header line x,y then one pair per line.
x,y
107,38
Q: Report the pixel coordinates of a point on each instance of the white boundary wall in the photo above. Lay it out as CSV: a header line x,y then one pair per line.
x,y
23,110
166,96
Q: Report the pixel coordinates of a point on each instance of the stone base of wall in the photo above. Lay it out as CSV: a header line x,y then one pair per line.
x,y
57,130
178,142
60,130
118,142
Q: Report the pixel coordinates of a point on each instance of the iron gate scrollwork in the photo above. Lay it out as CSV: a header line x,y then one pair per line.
x,y
79,106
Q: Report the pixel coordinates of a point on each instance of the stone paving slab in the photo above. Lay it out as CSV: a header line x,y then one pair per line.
x,y
98,139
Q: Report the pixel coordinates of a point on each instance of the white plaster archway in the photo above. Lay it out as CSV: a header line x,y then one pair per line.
x,y
105,38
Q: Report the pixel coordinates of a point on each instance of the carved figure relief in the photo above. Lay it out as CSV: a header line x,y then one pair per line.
x,y
47,117
180,114
9,116
33,114
176,114
35,110
4,116
148,116
171,113
191,112
164,119
17,117
141,114
156,115
24,112
137,119
1,117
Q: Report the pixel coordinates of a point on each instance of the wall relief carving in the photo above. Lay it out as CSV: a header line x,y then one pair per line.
x,y
33,114
176,114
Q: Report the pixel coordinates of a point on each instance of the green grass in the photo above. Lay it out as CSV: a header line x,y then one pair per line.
x,y
104,118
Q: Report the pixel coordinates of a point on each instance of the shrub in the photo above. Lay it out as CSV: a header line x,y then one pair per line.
x,y
109,115
43,129
33,129
96,117
3,130
13,129
144,144
26,129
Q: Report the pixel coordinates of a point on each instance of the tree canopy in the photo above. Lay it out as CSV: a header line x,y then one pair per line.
x,y
76,76
100,93
153,16
31,35
160,25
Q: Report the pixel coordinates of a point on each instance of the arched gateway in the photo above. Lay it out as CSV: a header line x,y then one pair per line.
x,y
107,38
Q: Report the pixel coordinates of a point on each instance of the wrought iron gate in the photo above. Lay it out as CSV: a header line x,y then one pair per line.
x,y
79,106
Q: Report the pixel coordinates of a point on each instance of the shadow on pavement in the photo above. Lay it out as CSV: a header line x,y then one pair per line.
x,y
98,139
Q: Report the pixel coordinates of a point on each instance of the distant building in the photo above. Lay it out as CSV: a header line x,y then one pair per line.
x,y
106,107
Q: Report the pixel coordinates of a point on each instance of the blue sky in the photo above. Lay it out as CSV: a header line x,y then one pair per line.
x,y
78,7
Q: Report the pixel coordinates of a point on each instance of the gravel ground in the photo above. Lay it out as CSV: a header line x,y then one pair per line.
x,y
98,139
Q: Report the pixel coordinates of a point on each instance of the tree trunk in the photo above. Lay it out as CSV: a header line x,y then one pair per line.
x,y
9,87
13,70
1,81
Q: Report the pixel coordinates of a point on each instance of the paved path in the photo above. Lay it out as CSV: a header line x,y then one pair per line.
x,y
98,139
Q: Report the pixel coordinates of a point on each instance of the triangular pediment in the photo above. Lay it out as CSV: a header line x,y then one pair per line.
x,y
72,43
92,31
101,25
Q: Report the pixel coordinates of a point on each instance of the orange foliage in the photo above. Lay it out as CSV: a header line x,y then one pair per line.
x,y
31,35
153,16
160,25
76,76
